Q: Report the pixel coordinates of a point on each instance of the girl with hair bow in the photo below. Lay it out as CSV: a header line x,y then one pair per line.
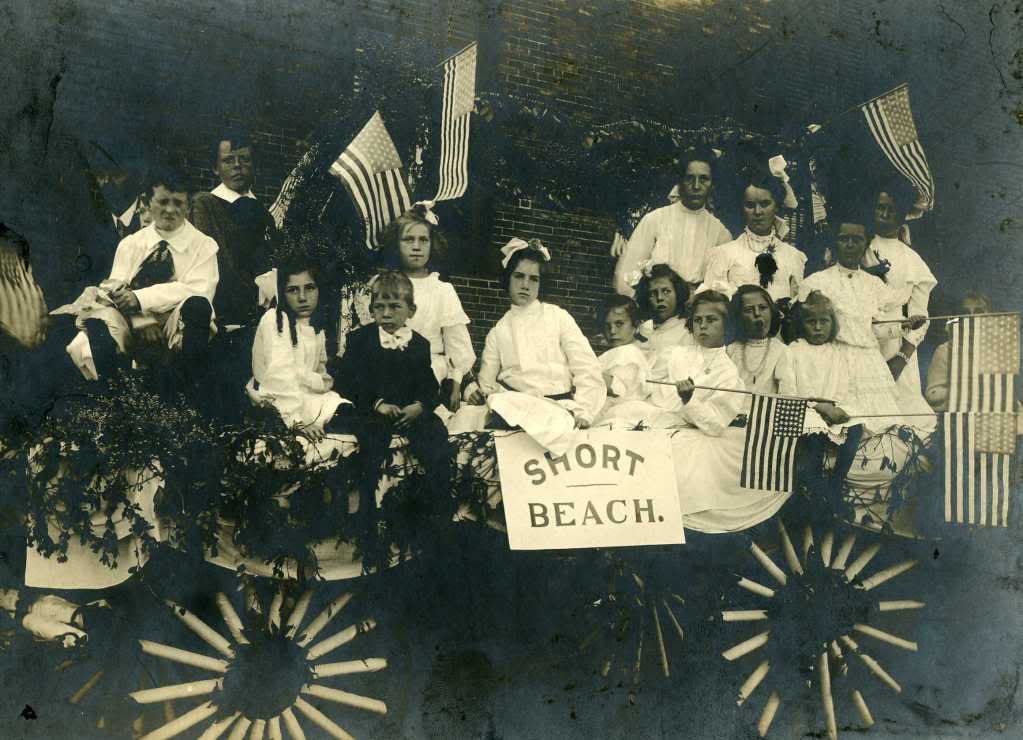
x,y
414,245
537,371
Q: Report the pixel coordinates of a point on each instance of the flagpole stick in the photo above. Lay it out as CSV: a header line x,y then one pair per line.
x,y
849,110
952,316
749,393
448,59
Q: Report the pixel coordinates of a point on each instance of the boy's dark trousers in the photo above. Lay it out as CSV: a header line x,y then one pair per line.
x,y
428,443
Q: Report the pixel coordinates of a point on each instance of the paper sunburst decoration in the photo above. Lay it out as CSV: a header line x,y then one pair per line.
x,y
263,673
816,607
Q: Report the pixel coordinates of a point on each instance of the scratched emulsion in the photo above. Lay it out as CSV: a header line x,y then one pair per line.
x,y
147,77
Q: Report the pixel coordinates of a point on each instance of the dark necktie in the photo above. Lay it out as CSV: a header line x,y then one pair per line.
x,y
157,268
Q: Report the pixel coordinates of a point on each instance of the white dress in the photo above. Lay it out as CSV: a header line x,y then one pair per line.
x,y
532,353
293,378
440,318
625,372
734,264
911,282
858,299
675,236
660,340
764,365
710,411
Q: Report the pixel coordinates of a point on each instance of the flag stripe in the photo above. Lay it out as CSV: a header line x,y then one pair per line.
x,y
772,434
908,158
459,91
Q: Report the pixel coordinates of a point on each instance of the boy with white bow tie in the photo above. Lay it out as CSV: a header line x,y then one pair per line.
x,y
386,372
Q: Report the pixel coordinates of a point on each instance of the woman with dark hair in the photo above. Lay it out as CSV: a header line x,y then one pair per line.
x,y
662,296
413,244
758,256
906,275
289,354
537,370
759,354
682,234
705,364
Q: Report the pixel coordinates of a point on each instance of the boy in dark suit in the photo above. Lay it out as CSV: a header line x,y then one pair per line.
x,y
387,375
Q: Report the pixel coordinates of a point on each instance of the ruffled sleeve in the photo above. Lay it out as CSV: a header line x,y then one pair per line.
x,y
709,411
923,282
457,342
590,390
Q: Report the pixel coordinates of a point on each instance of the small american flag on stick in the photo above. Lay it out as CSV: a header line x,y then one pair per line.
x,y
984,358
890,120
458,103
370,168
772,433
978,456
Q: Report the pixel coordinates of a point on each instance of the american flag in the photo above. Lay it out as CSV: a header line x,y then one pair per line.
x,y
984,358
772,432
370,168
978,456
458,103
283,200
891,122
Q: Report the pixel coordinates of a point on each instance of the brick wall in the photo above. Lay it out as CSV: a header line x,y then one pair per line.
x,y
274,72
577,279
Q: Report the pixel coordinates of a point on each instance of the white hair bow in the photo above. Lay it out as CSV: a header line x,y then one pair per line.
x,y
642,271
777,165
424,209
517,245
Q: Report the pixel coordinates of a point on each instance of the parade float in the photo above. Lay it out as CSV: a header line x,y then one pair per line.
x,y
209,578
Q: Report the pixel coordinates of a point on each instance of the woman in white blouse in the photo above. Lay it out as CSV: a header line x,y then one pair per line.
x,y
906,275
759,256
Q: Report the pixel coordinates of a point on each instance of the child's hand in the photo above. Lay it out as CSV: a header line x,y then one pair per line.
x,y
832,413
389,410
581,423
685,389
914,322
455,399
408,415
608,381
313,432
474,395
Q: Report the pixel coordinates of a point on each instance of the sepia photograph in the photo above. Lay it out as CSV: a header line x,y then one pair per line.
x,y
510,369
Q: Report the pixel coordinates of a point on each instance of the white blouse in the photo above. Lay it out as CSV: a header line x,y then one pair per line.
x,y
734,264
858,299
440,318
711,411
292,377
538,349
660,340
764,365
909,280
676,236
625,373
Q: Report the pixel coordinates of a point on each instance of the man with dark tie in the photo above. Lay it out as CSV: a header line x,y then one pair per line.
x,y
159,293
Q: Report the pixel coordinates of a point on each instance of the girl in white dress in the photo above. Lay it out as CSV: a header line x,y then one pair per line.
x,y
662,297
537,371
289,354
624,366
704,364
758,256
412,243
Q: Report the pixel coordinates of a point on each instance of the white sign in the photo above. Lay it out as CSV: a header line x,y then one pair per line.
x,y
611,489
